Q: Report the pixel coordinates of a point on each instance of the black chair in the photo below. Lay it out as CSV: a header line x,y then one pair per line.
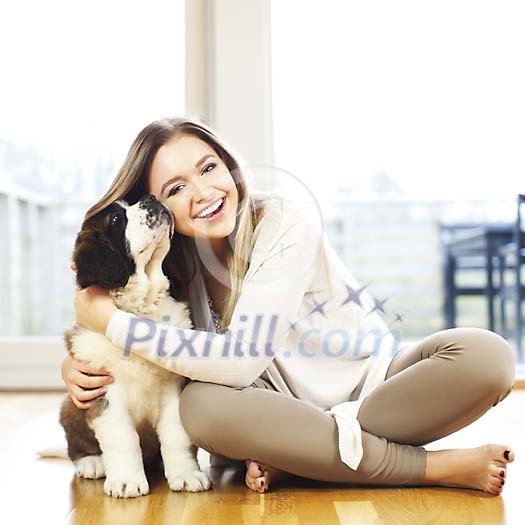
x,y
472,247
511,260
454,264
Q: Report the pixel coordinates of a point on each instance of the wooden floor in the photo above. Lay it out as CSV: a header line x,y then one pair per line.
x,y
34,490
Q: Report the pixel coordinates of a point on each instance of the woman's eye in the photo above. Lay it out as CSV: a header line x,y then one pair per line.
x,y
211,166
174,190
206,169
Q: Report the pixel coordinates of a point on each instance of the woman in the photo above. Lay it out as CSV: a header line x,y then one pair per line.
x,y
293,402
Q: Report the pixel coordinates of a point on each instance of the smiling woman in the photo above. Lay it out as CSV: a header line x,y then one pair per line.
x,y
284,401
190,169
205,204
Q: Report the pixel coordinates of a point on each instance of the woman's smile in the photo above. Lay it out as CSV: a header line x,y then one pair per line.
x,y
213,212
190,177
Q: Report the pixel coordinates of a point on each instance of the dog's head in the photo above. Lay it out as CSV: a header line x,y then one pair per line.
x,y
112,243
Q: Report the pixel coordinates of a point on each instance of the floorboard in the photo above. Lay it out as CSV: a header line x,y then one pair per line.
x,y
39,490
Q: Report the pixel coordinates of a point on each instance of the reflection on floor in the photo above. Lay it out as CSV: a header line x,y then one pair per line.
x,y
47,490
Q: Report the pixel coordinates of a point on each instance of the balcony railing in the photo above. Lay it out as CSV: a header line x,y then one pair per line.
x,y
36,243
389,241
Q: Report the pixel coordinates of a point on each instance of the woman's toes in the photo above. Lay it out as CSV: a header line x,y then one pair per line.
x,y
257,484
494,490
497,471
494,481
255,479
262,484
254,468
508,455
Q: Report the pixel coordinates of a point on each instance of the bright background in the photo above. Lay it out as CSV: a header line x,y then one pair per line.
x,y
396,115
429,94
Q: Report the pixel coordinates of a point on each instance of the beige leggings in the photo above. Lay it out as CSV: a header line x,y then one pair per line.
x,y
431,389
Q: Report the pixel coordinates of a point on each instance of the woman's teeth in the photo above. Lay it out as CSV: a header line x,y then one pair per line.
x,y
209,211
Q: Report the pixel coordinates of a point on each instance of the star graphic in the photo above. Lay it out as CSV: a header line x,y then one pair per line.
x,y
291,326
378,305
318,307
353,295
399,317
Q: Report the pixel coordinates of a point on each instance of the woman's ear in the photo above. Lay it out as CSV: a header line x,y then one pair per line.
x,y
97,262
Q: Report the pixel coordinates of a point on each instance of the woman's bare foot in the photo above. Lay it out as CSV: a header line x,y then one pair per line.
x,y
258,475
482,468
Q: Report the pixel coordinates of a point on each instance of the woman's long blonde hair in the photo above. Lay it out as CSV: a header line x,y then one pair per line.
x,y
131,183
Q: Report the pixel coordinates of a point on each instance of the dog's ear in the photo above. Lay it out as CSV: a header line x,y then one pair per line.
x,y
98,262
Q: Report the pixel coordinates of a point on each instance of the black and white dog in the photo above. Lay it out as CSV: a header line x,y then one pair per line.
x,y
121,249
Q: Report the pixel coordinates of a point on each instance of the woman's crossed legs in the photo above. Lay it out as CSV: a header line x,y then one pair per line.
x,y
432,389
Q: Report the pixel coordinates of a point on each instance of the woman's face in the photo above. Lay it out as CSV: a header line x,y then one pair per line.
x,y
191,179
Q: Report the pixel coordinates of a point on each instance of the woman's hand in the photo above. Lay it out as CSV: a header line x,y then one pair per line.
x,y
94,308
82,387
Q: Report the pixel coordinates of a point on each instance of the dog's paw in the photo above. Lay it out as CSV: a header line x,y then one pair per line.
x,y
90,467
126,487
190,481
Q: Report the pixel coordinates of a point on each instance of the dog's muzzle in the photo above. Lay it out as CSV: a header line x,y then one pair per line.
x,y
157,209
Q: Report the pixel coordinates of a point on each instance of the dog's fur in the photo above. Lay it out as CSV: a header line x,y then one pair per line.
x,y
121,249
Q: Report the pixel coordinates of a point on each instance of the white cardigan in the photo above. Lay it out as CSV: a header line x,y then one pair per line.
x,y
293,323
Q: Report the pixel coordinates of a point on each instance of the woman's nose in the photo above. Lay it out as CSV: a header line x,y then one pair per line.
x,y
201,191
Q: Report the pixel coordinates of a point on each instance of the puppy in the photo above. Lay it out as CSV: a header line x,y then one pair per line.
x,y
121,249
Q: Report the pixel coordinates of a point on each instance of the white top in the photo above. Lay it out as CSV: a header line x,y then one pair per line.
x,y
295,325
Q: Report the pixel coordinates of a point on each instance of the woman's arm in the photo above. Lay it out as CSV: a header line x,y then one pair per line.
x,y
94,308
280,273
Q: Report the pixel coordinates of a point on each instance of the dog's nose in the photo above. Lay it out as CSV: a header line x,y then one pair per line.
x,y
148,199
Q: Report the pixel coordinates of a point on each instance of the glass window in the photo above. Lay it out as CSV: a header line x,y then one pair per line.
x,y
80,79
398,116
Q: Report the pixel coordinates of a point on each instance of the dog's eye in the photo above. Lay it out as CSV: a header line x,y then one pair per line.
x,y
114,219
